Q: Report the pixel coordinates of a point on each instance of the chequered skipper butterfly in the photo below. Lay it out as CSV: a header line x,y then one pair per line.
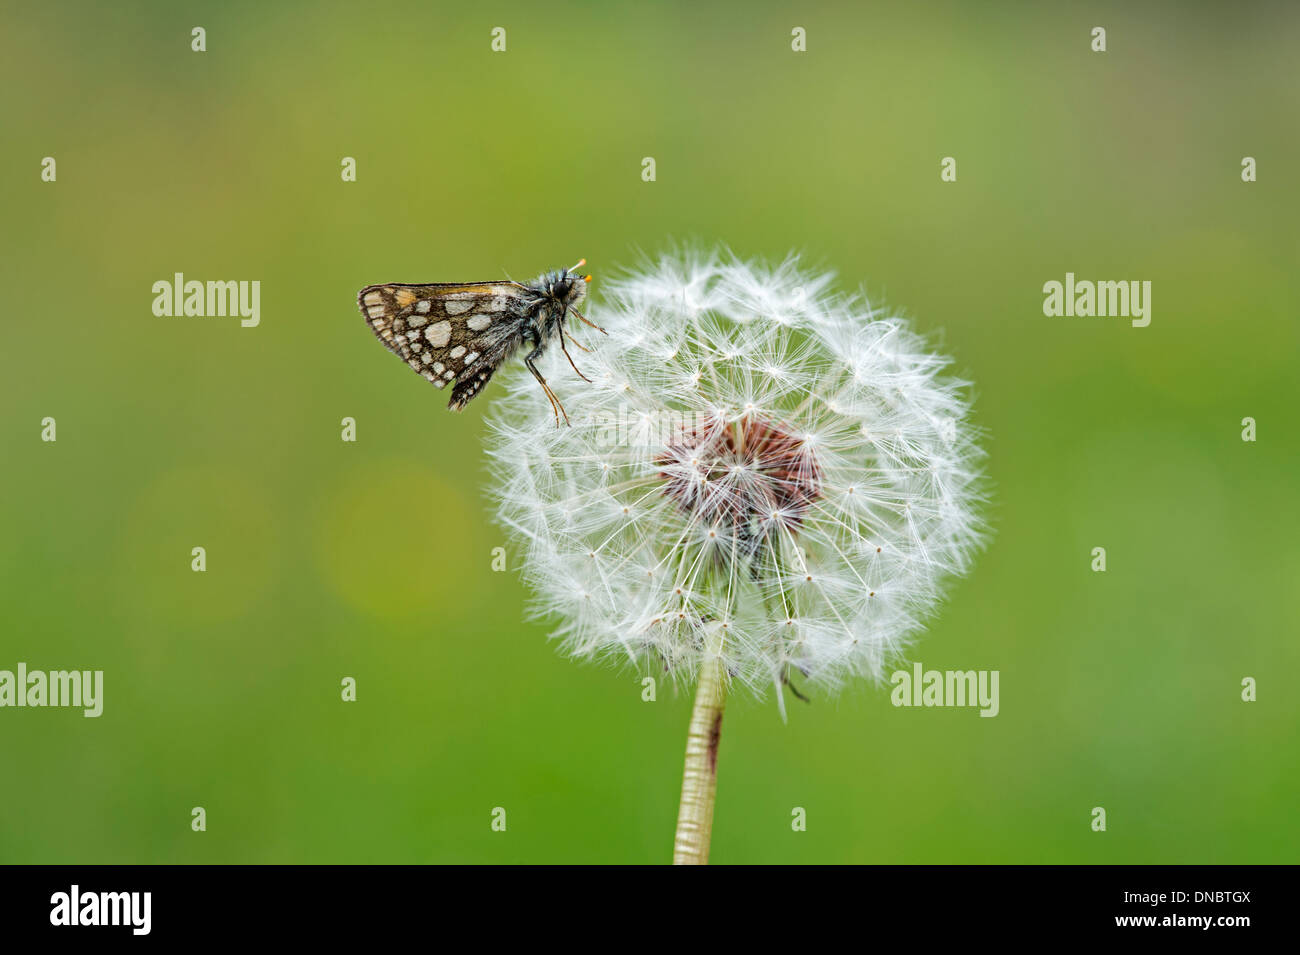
x,y
462,332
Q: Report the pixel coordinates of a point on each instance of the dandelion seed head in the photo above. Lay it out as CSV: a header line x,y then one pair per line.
x,y
756,454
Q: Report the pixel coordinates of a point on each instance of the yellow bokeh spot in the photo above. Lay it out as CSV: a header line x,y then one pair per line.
x,y
393,540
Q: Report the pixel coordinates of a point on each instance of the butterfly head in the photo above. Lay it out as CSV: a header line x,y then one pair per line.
x,y
568,288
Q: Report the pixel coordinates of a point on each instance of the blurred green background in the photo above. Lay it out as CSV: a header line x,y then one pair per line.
x,y
373,560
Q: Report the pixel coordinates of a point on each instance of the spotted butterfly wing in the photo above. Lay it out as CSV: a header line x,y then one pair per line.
x,y
451,332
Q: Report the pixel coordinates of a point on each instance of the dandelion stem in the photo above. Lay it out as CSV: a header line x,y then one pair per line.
x,y
700,777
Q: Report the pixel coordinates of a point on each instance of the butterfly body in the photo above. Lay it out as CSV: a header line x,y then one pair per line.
x,y
460,333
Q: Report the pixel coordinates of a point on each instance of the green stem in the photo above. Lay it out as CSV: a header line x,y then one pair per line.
x,y
700,777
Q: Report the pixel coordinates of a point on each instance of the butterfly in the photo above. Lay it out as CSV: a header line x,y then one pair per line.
x,y
459,333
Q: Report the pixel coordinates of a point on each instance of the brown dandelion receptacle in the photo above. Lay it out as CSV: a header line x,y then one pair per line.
x,y
750,473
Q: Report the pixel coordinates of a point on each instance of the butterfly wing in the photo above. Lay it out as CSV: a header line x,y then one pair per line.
x,y
449,332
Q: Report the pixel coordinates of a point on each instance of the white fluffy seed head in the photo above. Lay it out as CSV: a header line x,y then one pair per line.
x,y
762,470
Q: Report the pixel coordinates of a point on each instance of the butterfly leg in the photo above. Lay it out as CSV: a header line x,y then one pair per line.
x,y
577,344
570,357
587,321
556,407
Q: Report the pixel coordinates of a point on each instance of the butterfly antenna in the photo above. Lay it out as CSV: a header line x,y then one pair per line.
x,y
577,265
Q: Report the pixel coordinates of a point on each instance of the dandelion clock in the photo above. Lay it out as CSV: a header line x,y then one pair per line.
x,y
764,487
